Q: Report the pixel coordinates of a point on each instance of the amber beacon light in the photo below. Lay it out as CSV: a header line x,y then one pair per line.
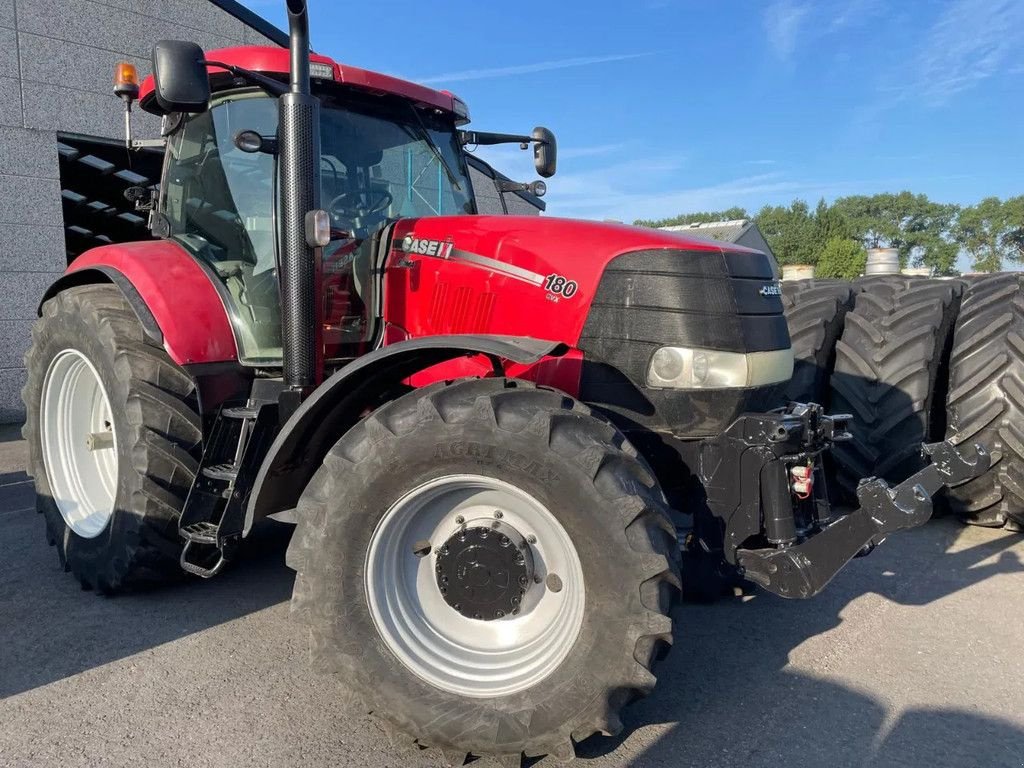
x,y
126,81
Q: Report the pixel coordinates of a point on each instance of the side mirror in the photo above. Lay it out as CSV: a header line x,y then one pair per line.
x,y
545,152
179,76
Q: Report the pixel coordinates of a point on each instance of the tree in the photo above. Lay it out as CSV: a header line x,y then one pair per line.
x,y
829,223
790,232
918,227
842,258
980,230
991,233
1013,238
704,217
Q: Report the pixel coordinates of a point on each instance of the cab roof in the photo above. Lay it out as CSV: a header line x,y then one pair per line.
x,y
274,61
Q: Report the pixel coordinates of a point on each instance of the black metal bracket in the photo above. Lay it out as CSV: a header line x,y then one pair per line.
x,y
803,570
794,546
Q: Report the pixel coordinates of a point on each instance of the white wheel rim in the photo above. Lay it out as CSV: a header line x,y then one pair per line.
x,y
82,477
471,657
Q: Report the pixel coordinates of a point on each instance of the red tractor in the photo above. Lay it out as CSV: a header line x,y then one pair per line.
x,y
495,435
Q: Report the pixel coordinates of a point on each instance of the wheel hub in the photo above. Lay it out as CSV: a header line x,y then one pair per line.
x,y
483,570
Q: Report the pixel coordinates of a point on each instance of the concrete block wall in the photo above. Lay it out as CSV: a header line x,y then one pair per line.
x,y
56,67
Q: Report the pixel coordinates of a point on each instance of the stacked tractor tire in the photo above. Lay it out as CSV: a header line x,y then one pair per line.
x,y
912,360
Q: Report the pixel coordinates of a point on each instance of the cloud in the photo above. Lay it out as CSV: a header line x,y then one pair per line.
x,y
971,41
651,189
782,24
525,69
608,202
592,151
760,162
854,12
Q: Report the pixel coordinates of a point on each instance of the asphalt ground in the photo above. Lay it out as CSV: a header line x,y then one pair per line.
x,y
914,656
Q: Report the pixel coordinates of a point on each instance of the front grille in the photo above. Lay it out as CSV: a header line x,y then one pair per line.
x,y
653,298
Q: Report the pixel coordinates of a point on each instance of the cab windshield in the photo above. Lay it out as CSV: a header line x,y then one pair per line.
x,y
382,159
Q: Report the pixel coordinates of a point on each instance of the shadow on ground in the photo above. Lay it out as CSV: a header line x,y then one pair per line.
x,y
51,629
725,694
726,697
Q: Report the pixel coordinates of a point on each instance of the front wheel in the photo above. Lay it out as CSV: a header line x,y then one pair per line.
x,y
487,566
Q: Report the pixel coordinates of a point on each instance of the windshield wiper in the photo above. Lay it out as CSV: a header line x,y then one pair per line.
x,y
425,135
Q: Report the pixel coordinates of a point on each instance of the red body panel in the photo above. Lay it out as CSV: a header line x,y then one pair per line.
x,y
427,295
178,292
504,292
275,61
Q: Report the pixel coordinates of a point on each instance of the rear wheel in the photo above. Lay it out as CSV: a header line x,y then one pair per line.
x,y
986,399
113,437
487,566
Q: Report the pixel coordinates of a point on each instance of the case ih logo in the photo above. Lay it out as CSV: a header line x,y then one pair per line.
x,y
771,289
426,247
447,250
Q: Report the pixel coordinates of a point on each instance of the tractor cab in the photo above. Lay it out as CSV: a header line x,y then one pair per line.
x,y
384,155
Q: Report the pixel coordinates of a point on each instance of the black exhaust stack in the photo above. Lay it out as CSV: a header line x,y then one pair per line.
x,y
299,159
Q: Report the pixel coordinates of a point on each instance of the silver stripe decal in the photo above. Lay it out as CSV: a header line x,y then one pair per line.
x,y
498,266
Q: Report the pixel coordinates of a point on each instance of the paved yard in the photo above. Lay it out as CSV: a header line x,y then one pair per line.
x,y
913,657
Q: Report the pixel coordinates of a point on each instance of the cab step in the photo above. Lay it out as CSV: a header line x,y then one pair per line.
x,y
226,471
213,517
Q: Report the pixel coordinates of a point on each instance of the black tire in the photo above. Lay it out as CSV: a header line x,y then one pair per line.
x,y
816,313
891,376
605,498
986,399
159,434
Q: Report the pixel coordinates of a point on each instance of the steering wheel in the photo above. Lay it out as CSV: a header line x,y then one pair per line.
x,y
339,208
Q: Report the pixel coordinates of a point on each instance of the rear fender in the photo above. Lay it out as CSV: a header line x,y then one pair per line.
x,y
337,404
172,295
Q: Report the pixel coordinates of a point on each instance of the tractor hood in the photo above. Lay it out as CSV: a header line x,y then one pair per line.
x,y
537,275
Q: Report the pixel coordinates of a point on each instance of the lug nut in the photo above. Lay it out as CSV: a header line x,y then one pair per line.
x,y
504,540
460,520
515,611
515,600
532,539
523,580
498,614
499,514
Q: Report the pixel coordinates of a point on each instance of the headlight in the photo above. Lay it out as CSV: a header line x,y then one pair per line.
x,y
688,368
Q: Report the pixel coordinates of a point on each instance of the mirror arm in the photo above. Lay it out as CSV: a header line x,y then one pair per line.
x,y
487,139
273,87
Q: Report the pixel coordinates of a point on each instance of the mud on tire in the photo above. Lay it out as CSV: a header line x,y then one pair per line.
x,y
154,411
890,375
986,398
593,482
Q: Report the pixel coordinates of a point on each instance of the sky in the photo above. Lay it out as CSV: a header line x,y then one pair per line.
x,y
669,106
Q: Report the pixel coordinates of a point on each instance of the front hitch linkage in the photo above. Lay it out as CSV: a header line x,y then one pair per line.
x,y
802,570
